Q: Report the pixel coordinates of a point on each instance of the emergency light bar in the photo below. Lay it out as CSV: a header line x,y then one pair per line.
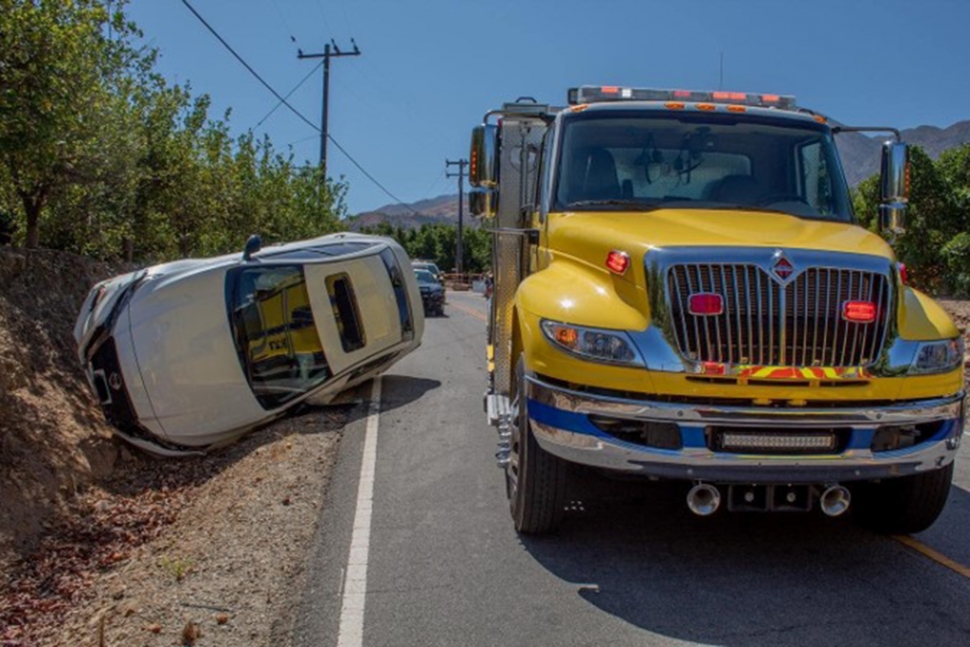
x,y
597,94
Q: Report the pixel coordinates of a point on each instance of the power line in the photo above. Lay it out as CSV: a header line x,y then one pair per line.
x,y
294,110
369,176
288,95
247,66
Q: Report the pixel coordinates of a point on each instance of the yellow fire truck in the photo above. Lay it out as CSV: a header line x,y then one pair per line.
x,y
682,291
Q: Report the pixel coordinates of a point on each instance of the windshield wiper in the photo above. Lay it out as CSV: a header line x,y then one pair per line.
x,y
615,202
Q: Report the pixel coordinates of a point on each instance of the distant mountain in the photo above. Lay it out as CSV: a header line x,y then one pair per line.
x,y
860,159
860,153
442,209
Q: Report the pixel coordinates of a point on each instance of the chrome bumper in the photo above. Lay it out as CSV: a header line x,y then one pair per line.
x,y
561,423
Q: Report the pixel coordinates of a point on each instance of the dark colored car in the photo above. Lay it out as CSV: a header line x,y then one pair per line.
x,y
432,293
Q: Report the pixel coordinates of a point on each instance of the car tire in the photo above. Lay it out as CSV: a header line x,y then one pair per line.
x,y
903,505
536,480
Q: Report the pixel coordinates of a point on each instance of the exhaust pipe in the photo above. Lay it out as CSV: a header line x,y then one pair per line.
x,y
835,500
703,499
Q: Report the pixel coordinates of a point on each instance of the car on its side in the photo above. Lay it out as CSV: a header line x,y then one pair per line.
x,y
190,355
432,293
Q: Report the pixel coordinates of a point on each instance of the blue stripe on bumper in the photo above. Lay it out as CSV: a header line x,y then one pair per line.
x,y
692,437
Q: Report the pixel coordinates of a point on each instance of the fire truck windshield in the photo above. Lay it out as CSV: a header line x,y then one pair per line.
x,y
630,160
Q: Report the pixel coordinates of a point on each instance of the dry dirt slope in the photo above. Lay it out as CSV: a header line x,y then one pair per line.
x,y
53,439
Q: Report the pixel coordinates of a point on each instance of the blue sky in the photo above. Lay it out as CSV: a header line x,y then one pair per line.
x,y
431,68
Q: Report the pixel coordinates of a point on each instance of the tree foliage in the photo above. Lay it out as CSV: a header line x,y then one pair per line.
x,y
936,246
100,155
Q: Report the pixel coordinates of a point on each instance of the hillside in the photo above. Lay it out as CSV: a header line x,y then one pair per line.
x,y
441,209
860,153
53,439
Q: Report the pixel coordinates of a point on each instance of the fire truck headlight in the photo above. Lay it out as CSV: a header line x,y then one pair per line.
x,y
594,344
938,357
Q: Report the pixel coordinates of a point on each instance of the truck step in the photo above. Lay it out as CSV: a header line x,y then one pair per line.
x,y
499,410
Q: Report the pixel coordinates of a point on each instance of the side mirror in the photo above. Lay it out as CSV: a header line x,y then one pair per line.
x,y
483,159
253,244
893,189
894,180
483,202
892,219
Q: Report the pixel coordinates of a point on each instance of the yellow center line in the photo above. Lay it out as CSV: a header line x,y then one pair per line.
x,y
935,555
473,312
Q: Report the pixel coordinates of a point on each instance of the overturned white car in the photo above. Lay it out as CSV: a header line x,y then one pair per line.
x,y
190,355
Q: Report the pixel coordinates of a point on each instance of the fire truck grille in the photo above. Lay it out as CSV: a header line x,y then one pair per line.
x,y
764,323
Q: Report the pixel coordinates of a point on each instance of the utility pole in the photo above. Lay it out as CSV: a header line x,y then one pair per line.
x,y
461,164
330,50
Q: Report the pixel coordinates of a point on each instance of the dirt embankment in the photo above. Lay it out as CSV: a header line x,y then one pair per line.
x,y
53,439
100,539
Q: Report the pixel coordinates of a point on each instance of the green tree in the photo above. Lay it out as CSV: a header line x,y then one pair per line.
x,y
59,70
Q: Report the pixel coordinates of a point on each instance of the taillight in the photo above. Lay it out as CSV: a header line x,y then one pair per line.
x,y
617,262
903,275
859,311
705,304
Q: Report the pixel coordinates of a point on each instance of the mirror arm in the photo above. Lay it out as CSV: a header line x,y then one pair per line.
x,y
867,129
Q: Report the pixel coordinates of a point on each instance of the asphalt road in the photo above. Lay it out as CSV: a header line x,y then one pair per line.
x,y
630,566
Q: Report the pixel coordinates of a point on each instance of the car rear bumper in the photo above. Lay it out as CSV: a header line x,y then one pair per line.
x,y
570,424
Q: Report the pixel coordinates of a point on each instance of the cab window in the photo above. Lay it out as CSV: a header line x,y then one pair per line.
x,y
275,333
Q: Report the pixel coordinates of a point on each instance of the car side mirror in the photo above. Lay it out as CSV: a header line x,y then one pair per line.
x,y
253,244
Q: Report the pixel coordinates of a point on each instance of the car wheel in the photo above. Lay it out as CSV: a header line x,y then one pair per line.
x,y
903,505
535,479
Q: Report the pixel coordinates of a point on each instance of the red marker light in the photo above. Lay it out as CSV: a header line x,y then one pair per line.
x,y
713,368
770,98
859,311
617,262
903,274
682,94
610,89
705,304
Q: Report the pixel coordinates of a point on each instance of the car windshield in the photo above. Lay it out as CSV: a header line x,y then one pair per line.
x,y
424,276
625,160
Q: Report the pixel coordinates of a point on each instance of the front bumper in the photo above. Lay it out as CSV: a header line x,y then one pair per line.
x,y
561,421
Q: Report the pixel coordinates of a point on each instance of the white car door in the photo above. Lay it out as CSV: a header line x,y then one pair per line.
x,y
354,308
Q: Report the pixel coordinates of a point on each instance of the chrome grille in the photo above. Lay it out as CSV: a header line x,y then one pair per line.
x,y
767,324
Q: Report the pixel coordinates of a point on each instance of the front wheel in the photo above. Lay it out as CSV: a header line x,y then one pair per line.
x,y
903,505
535,479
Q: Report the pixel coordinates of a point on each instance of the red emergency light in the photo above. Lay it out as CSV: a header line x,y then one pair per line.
x,y
705,304
859,311
600,93
617,262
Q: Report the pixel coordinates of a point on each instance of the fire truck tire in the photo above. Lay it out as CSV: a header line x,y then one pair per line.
x,y
537,489
903,505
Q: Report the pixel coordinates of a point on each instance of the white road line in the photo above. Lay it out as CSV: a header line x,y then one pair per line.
x,y
351,632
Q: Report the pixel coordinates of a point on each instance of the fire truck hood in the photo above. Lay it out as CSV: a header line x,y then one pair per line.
x,y
591,236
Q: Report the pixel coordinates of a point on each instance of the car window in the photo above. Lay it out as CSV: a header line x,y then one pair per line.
x,y
275,333
346,312
424,276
